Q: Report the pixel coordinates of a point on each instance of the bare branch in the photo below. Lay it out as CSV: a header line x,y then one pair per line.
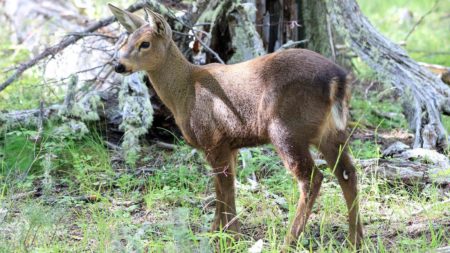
x,y
421,19
86,34
65,42
216,55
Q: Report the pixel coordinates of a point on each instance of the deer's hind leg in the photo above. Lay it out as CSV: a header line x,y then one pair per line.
x,y
335,153
297,159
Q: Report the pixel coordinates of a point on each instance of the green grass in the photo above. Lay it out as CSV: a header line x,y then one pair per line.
x,y
167,210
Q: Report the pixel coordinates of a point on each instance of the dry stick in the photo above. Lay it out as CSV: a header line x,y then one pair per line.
x,y
201,6
330,36
215,54
165,145
421,19
65,42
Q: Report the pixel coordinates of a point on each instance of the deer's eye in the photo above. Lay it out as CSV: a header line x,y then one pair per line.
x,y
144,45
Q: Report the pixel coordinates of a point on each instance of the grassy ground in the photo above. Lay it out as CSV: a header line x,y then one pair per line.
x,y
69,195
62,195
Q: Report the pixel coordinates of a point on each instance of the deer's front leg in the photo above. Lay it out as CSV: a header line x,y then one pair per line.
x,y
223,162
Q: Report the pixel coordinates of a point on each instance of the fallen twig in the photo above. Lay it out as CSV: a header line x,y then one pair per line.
x,y
165,145
366,91
113,146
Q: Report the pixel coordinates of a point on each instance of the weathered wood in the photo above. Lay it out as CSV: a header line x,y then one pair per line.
x,y
315,22
277,22
410,166
425,95
233,34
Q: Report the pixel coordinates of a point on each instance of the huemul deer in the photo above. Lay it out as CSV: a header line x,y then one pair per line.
x,y
292,99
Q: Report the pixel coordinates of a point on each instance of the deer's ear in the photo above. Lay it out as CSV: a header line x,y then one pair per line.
x,y
158,23
130,21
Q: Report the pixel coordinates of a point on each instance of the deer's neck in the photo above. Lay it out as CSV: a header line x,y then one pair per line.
x,y
172,80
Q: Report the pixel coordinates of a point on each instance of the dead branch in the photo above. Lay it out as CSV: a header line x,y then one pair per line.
x,y
214,53
87,34
421,19
65,42
291,44
26,117
165,145
437,69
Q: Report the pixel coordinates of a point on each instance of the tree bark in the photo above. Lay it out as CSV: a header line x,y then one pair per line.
x,y
425,95
233,35
315,26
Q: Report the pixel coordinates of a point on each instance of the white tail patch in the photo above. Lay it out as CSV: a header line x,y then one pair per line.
x,y
339,117
338,110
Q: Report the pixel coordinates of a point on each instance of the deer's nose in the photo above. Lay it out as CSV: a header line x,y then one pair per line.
x,y
120,68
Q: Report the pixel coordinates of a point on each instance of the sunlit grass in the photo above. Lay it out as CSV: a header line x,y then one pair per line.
x,y
178,189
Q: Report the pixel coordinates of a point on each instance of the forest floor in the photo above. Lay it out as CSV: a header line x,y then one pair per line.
x,y
77,195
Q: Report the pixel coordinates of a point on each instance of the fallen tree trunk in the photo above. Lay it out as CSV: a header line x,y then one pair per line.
x,y
406,171
27,117
425,95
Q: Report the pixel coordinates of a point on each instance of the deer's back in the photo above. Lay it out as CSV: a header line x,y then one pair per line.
x,y
236,103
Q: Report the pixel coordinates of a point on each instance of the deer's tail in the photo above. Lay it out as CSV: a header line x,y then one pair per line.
x,y
340,94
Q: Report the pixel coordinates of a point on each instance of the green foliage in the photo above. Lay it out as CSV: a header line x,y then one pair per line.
x,y
29,88
427,42
86,158
18,150
446,122
171,200
365,149
365,111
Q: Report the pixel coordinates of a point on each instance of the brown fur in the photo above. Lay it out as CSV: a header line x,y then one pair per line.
x,y
284,98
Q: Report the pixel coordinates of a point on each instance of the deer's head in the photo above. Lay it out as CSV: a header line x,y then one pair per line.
x,y
146,46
